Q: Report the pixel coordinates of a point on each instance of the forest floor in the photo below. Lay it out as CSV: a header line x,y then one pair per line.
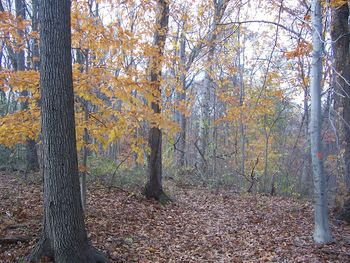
x,y
198,226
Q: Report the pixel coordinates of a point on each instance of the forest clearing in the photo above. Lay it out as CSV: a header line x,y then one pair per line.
x,y
199,226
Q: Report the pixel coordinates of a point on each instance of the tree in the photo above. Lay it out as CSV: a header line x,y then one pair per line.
x,y
321,233
341,39
154,187
219,10
31,153
64,237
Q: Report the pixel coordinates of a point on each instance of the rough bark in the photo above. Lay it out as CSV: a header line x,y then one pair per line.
x,y
322,232
341,40
64,237
154,188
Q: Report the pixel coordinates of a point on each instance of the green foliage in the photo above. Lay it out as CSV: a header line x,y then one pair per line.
x,y
12,158
101,166
107,172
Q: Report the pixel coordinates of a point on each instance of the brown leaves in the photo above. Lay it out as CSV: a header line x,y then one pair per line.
x,y
198,226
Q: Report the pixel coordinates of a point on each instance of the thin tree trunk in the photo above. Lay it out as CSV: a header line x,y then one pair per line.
x,y
20,14
154,188
266,156
305,175
81,59
322,233
182,97
220,7
31,153
64,236
241,94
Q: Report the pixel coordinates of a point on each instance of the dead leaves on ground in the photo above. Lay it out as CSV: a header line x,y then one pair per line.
x,y
198,226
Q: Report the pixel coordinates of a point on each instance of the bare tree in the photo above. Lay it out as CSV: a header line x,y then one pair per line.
x,y
322,233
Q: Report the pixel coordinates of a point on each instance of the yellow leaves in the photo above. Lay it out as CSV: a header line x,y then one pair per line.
x,y
11,30
18,127
167,92
337,3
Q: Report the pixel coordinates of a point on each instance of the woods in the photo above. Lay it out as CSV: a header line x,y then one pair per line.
x,y
215,113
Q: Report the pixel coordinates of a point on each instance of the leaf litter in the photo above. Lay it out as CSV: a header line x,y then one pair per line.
x,y
198,226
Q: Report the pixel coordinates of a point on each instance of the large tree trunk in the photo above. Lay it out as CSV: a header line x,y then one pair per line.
x,y
341,40
322,233
64,236
31,153
154,188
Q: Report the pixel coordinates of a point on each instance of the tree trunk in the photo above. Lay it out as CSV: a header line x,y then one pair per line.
x,y
64,236
220,7
154,188
182,97
266,183
341,40
31,153
322,233
83,59
305,174
35,28
20,14
241,100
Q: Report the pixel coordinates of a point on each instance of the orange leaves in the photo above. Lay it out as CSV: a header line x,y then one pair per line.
x,y
9,30
302,49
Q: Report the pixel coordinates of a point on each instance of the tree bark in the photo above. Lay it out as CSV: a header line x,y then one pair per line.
x,y
321,233
64,237
154,188
341,40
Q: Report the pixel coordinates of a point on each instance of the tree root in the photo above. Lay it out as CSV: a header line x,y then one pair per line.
x,y
164,198
159,196
96,256
43,250
14,239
